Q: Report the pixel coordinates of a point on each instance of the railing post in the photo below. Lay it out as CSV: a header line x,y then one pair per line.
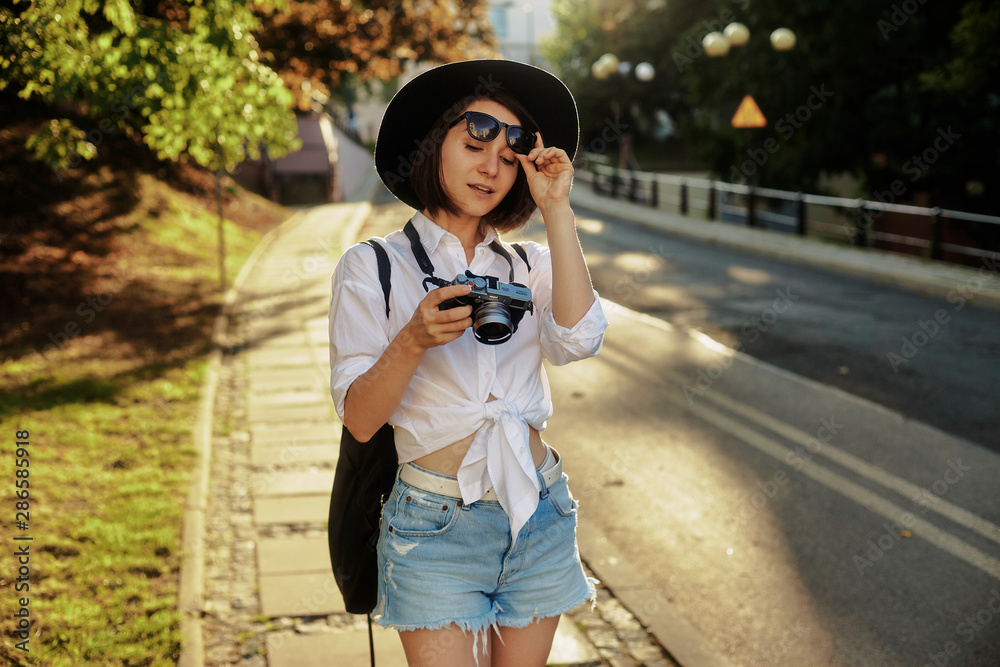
x,y
937,234
711,200
751,207
633,184
800,214
654,192
615,180
684,198
861,227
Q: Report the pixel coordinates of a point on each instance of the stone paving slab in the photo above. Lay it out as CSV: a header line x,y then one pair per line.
x,y
281,358
314,509
296,380
317,413
300,594
258,402
288,555
298,397
317,451
334,649
286,484
294,434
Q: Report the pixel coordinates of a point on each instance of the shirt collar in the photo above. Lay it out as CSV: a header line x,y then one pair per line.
x,y
431,234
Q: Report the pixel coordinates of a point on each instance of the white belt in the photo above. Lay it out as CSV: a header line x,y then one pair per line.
x,y
425,480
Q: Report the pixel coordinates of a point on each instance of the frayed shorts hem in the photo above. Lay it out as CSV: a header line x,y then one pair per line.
x,y
494,618
590,596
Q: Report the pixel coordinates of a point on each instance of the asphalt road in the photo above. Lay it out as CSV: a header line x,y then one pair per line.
x,y
926,357
813,501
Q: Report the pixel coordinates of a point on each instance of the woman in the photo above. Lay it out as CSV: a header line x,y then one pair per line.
x,y
477,549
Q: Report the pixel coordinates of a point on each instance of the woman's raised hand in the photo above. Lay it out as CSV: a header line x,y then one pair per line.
x,y
550,174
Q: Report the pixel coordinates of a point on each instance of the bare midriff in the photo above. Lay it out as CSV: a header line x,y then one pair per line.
x,y
447,460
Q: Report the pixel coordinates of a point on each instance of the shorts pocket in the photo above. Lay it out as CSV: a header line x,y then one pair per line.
x,y
421,513
560,497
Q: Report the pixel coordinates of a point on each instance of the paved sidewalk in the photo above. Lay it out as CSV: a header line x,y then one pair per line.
x,y
269,595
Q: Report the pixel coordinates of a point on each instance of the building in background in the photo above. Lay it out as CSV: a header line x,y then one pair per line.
x,y
519,25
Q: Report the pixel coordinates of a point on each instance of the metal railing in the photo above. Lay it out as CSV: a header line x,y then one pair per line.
x,y
932,232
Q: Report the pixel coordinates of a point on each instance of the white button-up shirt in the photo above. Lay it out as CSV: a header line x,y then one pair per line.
x,y
447,398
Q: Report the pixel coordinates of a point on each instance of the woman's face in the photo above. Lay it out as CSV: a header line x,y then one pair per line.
x,y
477,175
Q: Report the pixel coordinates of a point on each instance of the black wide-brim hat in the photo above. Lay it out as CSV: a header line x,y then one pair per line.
x,y
419,104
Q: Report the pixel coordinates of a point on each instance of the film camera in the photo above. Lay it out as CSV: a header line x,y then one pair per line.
x,y
497,307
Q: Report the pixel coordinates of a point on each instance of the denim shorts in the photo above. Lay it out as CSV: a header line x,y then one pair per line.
x,y
442,563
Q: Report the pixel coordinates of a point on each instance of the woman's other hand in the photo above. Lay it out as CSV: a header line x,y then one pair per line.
x,y
430,326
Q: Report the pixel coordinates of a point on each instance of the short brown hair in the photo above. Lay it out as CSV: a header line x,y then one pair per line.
x,y
515,209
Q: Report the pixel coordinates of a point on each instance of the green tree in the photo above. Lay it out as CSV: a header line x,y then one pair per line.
x,y
896,94
184,76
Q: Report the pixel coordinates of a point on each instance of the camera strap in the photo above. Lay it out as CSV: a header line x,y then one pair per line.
x,y
428,267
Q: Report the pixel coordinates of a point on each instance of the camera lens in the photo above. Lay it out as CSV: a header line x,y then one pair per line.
x,y
491,322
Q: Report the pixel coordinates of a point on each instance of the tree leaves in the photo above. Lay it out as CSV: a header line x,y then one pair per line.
x,y
192,86
326,46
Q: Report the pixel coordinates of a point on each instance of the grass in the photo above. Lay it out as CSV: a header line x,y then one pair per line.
x,y
103,367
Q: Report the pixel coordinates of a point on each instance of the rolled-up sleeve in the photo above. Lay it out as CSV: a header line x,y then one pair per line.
x,y
359,329
561,345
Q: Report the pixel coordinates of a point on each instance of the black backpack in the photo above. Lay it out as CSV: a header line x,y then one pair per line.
x,y
366,472
365,475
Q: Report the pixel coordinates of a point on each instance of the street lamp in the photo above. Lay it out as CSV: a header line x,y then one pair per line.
x,y
716,44
783,39
748,115
606,67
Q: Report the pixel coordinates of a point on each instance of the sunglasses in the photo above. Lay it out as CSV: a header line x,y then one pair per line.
x,y
484,127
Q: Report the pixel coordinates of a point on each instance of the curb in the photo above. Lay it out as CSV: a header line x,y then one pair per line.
x,y
937,278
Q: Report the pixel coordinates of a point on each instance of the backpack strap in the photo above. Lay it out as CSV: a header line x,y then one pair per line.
x,y
384,269
428,267
522,254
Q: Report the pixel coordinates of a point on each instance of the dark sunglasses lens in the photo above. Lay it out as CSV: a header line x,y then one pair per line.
x,y
520,140
483,127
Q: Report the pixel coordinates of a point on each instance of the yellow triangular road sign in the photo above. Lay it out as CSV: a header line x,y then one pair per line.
x,y
749,115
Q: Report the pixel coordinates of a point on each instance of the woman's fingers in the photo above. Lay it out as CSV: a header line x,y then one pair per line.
x,y
434,325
